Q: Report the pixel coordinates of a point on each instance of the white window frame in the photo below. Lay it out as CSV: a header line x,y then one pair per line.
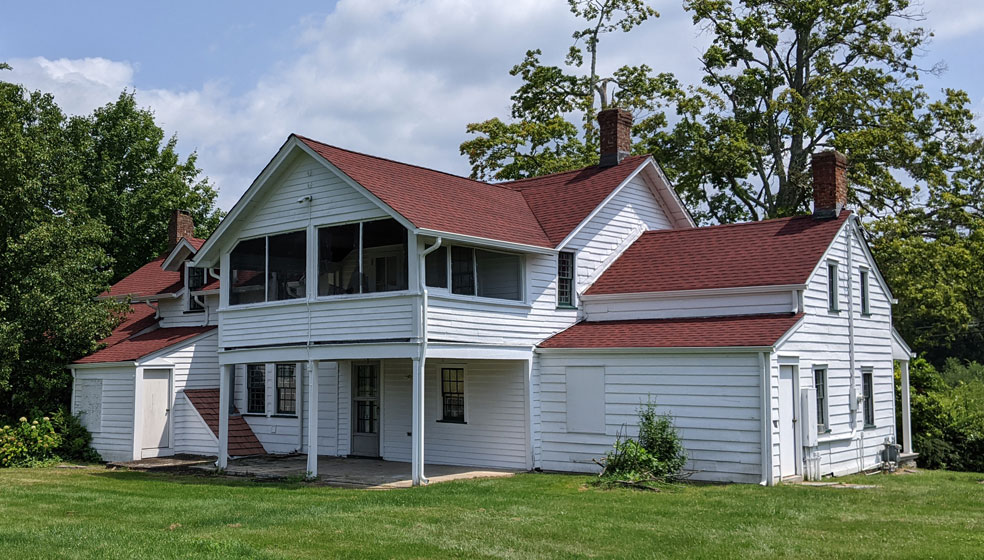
x,y
573,303
864,278
246,391
266,271
833,286
869,372
824,409
524,290
464,390
317,261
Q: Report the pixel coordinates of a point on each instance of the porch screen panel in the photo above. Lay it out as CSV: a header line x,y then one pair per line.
x,y
256,388
462,271
453,394
248,267
384,256
286,389
338,260
437,268
500,275
287,258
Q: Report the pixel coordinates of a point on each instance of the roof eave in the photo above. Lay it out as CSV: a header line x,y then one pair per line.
x,y
670,294
658,349
496,243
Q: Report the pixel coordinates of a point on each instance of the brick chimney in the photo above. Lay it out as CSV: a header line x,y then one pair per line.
x,y
829,184
181,225
615,131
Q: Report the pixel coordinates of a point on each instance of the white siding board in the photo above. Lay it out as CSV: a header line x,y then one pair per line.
x,y
114,438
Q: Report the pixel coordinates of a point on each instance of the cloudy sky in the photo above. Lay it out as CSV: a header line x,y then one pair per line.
x,y
396,78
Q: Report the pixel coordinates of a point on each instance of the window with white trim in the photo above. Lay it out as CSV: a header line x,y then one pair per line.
x,y
833,298
565,279
865,299
256,388
820,384
476,272
453,395
362,258
196,280
268,268
286,389
868,390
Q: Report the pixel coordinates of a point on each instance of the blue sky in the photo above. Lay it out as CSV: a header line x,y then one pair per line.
x,y
396,78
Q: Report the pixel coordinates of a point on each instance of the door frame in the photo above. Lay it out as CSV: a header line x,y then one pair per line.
x,y
139,451
353,386
793,362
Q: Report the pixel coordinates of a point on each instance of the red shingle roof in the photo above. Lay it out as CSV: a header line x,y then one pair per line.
x,y
133,348
242,440
767,253
561,201
704,332
539,211
150,279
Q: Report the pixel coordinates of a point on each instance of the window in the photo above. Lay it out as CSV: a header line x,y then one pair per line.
x,y
362,258
453,394
820,383
248,265
287,255
867,382
196,280
832,296
436,268
486,273
268,268
865,306
565,279
286,389
256,388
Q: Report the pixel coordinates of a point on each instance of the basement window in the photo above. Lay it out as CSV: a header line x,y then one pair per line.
x,y
256,388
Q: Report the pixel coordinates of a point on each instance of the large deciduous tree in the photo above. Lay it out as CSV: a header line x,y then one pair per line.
x,y
136,180
554,109
51,259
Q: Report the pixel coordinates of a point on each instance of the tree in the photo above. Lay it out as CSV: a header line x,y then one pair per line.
x,y
137,180
544,138
51,257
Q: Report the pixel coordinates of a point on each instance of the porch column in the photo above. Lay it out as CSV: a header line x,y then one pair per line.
x,y
312,454
906,417
226,373
417,428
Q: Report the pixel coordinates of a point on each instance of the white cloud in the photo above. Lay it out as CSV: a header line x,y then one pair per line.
x,y
953,19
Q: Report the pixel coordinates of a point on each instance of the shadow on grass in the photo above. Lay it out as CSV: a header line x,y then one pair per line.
x,y
195,477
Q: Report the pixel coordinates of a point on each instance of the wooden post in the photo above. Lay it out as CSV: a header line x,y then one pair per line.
x,y
906,416
312,454
417,439
226,373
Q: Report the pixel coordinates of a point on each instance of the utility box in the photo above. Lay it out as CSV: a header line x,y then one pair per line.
x,y
808,409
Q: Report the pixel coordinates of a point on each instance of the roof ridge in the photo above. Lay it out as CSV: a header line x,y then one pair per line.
x,y
539,177
431,169
846,212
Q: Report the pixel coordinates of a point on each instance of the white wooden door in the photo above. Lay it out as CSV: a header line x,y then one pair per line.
x,y
787,428
157,412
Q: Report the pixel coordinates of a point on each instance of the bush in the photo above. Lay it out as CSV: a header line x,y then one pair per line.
x,y
28,444
75,438
657,456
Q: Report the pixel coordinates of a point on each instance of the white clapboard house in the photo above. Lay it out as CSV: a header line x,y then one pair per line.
x,y
353,305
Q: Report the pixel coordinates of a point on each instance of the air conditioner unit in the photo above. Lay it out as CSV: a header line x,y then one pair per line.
x,y
808,414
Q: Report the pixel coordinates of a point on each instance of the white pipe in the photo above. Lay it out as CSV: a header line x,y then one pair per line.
x,y
418,386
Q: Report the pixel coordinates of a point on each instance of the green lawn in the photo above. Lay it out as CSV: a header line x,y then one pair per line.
x,y
95,513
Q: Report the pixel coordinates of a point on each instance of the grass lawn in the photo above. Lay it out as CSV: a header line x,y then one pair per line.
x,y
96,513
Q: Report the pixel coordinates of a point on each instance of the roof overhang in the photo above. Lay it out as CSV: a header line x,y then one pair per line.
x,y
900,349
104,365
660,188
495,243
178,255
658,350
674,294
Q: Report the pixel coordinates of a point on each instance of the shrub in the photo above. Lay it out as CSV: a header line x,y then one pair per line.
x,y
75,438
657,456
28,444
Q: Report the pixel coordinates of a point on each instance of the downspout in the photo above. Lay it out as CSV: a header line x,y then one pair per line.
x,y
417,429
850,329
766,394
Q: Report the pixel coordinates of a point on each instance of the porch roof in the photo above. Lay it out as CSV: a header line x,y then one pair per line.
x,y
700,332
